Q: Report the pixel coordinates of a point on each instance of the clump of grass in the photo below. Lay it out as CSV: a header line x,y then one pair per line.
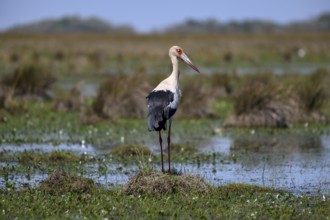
x,y
29,79
312,91
51,157
70,101
131,150
62,182
263,103
197,99
8,103
121,96
158,183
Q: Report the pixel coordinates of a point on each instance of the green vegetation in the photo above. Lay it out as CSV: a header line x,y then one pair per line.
x,y
228,201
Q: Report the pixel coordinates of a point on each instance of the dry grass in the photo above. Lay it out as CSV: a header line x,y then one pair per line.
x,y
158,183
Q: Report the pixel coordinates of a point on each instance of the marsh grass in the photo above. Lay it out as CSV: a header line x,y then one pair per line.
x,y
158,183
72,100
131,150
261,102
29,79
55,157
61,182
313,91
121,96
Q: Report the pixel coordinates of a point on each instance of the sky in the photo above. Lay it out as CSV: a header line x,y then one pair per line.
x,y
150,15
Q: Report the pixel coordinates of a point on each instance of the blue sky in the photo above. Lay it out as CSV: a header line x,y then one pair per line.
x,y
147,15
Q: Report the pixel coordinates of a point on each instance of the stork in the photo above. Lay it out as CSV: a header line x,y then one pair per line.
x,y
163,101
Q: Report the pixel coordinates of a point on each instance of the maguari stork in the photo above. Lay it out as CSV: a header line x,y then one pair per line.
x,y
164,100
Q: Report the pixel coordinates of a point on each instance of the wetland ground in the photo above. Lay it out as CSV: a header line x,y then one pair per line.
x,y
253,172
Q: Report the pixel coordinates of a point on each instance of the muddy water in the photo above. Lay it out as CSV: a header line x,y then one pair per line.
x,y
296,162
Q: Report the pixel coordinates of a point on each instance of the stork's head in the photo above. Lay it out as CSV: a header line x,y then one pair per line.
x,y
177,51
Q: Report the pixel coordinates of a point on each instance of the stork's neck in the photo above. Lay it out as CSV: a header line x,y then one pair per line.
x,y
175,73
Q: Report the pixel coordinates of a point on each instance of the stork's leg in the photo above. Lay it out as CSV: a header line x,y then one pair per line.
x,y
169,145
161,149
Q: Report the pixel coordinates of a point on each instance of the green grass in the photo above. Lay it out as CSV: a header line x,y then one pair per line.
x,y
224,202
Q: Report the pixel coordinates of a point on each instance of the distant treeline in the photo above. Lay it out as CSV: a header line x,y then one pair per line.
x,y
320,23
72,24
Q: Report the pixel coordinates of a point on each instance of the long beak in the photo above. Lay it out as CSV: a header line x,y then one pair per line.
x,y
187,61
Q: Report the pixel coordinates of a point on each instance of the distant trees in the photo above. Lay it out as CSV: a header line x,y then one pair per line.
x,y
71,24
320,23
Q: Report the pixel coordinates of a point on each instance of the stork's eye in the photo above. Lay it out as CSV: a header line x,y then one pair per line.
x,y
179,51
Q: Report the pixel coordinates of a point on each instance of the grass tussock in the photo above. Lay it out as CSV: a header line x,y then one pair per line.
x,y
121,96
72,100
261,102
51,157
62,182
29,79
313,91
131,150
158,183
8,102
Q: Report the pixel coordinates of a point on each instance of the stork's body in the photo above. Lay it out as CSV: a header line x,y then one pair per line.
x,y
164,100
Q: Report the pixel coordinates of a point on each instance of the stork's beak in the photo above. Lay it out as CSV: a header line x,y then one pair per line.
x,y
187,61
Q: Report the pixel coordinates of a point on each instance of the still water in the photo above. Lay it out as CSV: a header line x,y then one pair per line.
x,y
295,162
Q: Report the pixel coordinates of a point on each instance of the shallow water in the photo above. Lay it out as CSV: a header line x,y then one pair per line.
x,y
296,162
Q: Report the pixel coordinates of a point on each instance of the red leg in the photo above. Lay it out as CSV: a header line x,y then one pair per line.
x,y
169,145
161,149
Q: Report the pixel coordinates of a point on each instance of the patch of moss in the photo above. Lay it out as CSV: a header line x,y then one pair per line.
x,y
62,182
158,183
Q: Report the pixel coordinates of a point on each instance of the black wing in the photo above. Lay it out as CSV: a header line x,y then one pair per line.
x,y
158,109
